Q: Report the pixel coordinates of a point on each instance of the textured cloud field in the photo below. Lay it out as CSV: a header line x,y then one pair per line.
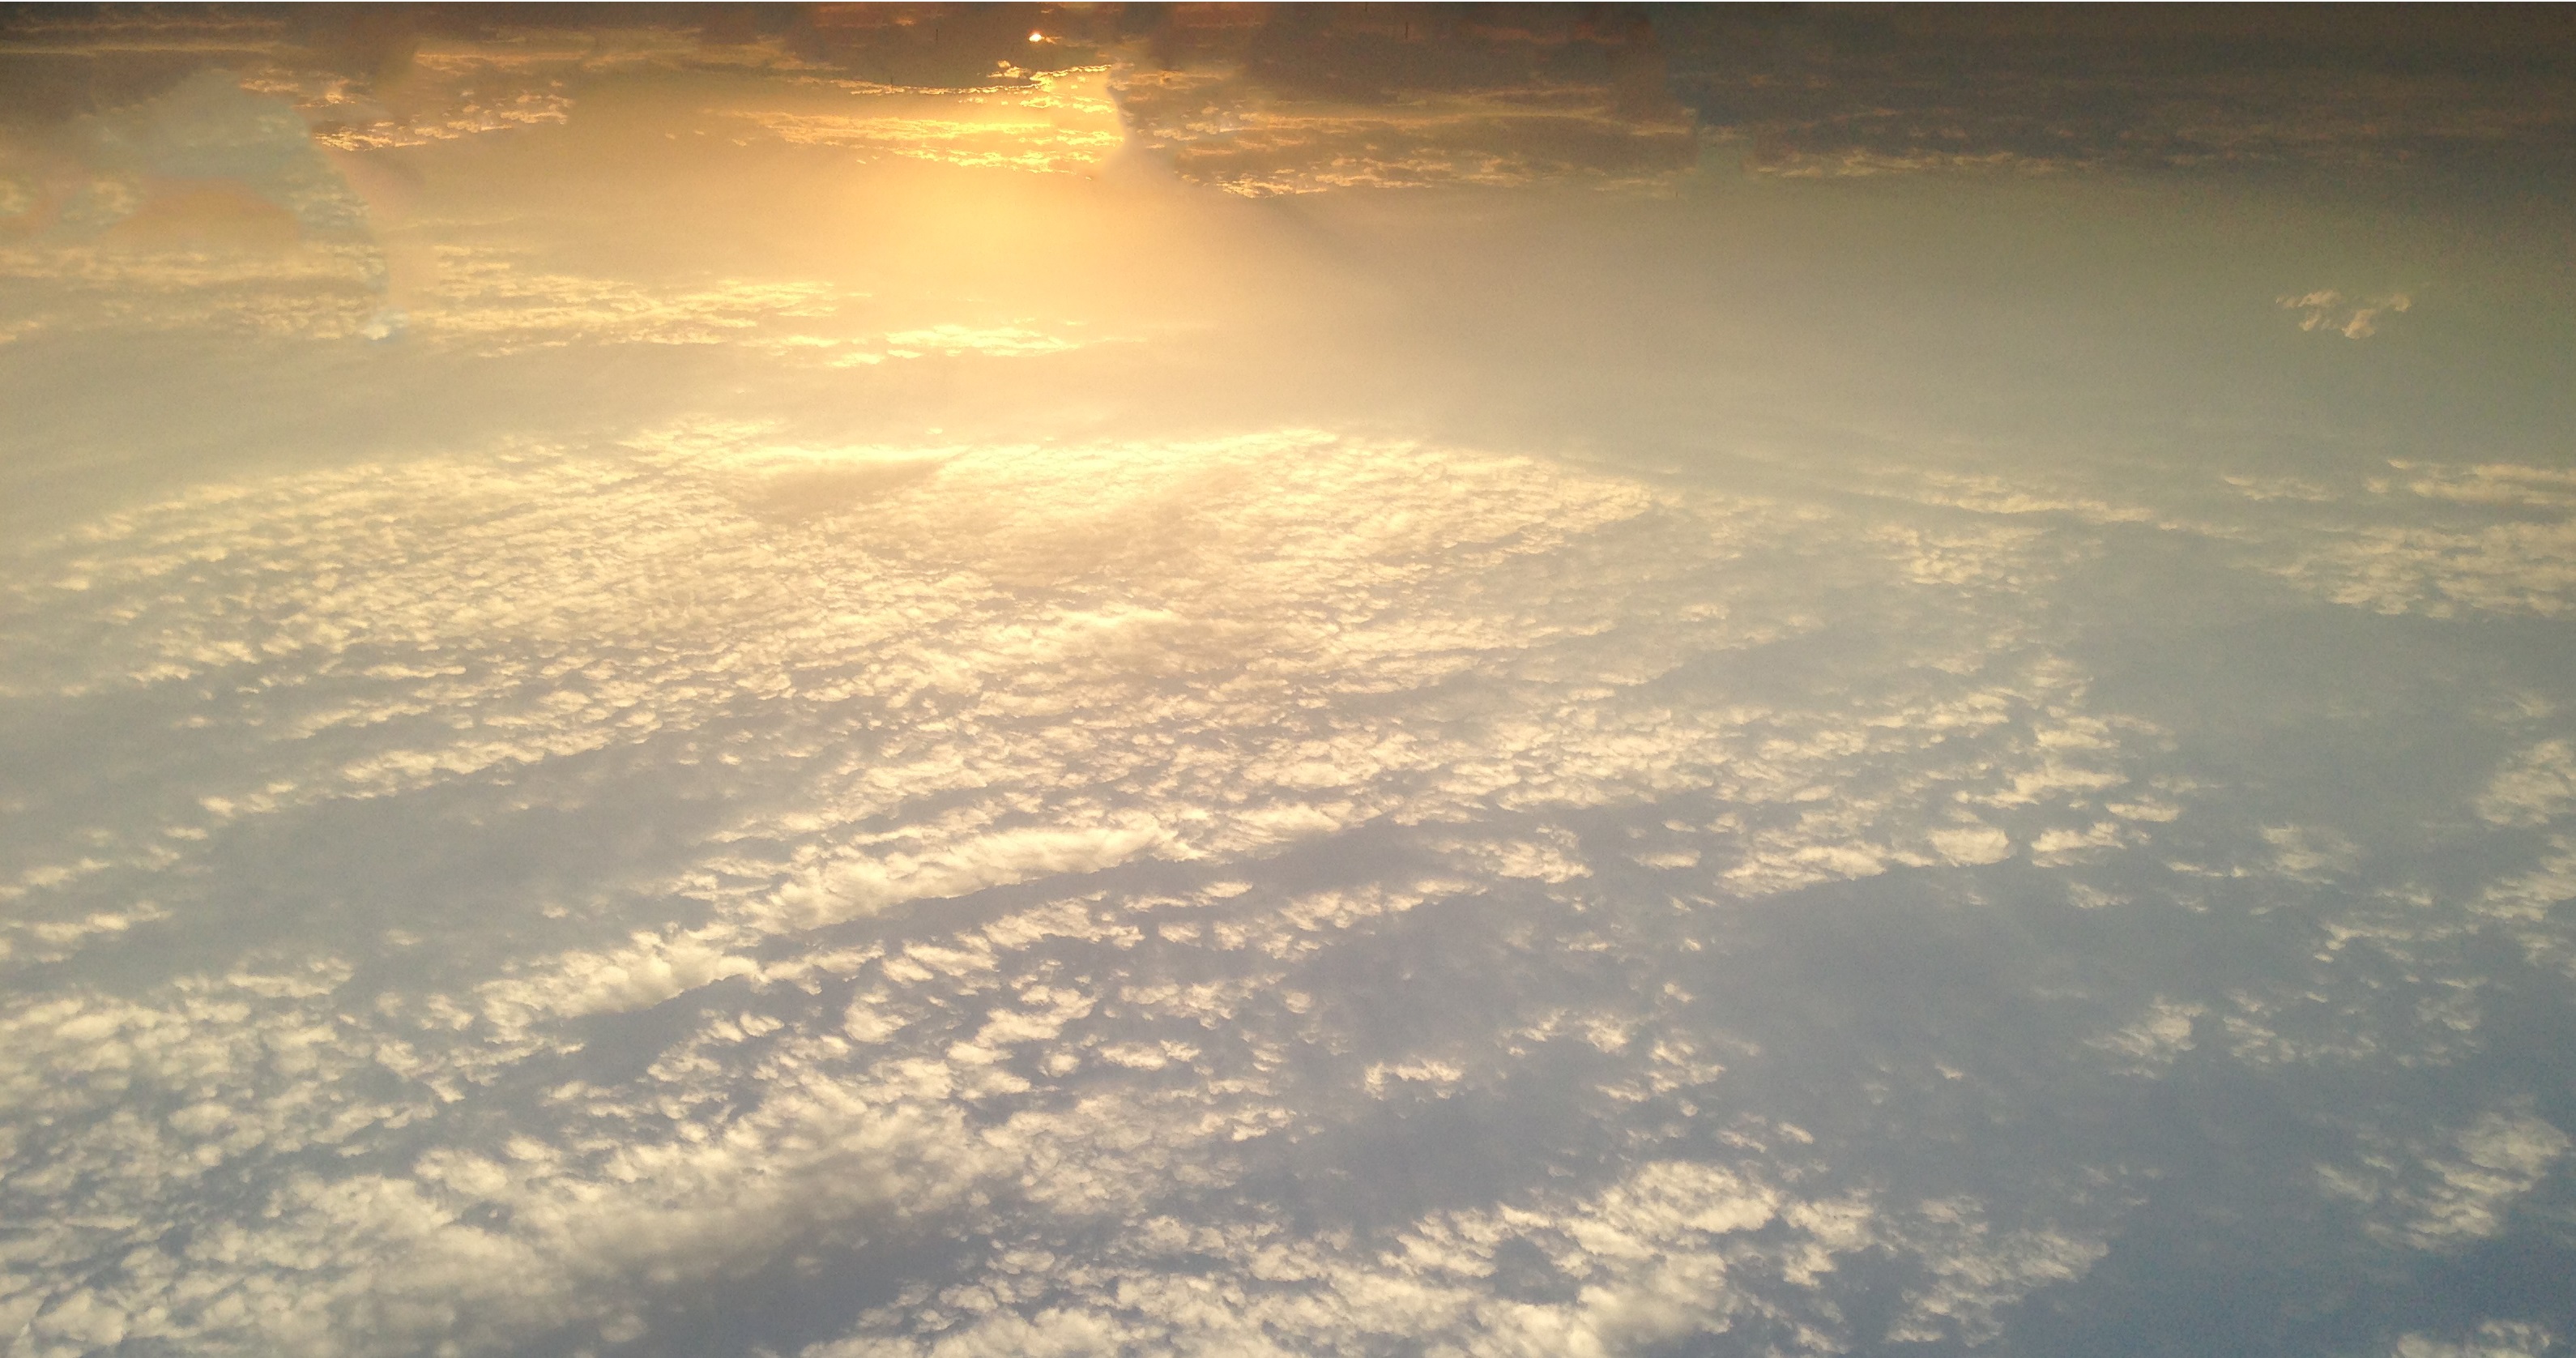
x,y
1285,891
963,763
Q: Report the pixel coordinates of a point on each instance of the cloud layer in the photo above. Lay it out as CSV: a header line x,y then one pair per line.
x,y
1079,855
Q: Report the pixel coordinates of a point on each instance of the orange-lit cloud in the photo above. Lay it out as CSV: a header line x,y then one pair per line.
x,y
2350,317
1058,122
1345,99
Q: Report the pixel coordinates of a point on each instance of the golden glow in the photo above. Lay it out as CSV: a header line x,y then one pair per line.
x,y
1062,121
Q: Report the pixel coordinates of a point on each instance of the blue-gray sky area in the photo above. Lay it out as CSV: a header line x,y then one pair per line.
x,y
916,682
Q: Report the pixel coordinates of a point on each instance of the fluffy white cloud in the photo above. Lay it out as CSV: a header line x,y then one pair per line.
x,y
1670,1251
2533,787
2491,537
2493,1339
2447,1196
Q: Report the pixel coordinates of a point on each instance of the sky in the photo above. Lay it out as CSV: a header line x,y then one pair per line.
x,y
917,682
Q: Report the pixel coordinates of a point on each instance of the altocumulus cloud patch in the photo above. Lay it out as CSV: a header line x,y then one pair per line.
x,y
995,823
1278,893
